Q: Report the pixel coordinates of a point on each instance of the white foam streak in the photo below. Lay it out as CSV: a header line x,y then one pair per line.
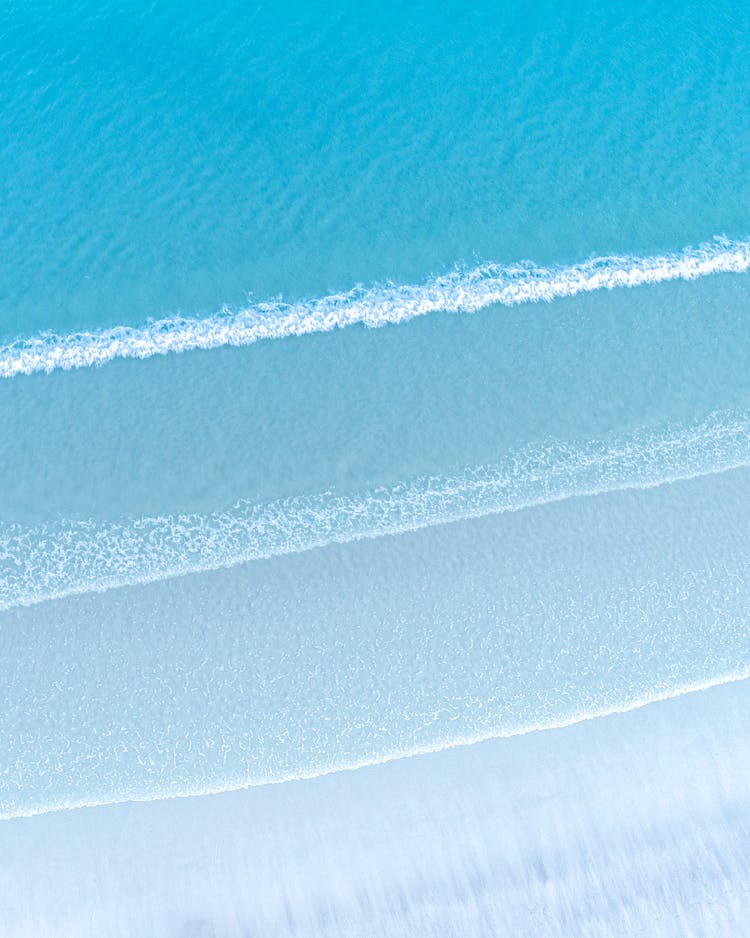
x,y
442,745
630,825
50,561
461,291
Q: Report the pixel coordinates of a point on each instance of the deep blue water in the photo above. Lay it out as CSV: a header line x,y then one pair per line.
x,y
160,158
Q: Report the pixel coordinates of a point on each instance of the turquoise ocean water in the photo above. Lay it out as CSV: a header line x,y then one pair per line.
x,y
372,379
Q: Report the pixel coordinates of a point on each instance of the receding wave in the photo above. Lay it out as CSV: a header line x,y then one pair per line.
x,y
8,813
50,561
461,291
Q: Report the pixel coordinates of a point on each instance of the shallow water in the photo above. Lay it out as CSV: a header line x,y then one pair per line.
x,y
351,654
373,381
634,823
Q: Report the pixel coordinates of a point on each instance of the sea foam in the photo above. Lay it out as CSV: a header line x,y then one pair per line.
x,y
607,828
48,561
460,291
365,652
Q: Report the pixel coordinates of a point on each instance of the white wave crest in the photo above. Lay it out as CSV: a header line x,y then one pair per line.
x,y
54,560
461,291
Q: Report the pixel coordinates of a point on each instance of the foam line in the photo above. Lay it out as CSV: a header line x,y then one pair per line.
x,y
54,560
632,825
461,291
230,785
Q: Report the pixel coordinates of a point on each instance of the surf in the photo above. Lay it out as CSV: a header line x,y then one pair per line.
x,y
443,746
58,559
463,290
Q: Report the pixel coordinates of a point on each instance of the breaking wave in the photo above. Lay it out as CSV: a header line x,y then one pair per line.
x,y
53,560
461,291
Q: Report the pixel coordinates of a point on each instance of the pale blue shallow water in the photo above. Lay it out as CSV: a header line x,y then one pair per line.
x,y
606,828
371,380
355,653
